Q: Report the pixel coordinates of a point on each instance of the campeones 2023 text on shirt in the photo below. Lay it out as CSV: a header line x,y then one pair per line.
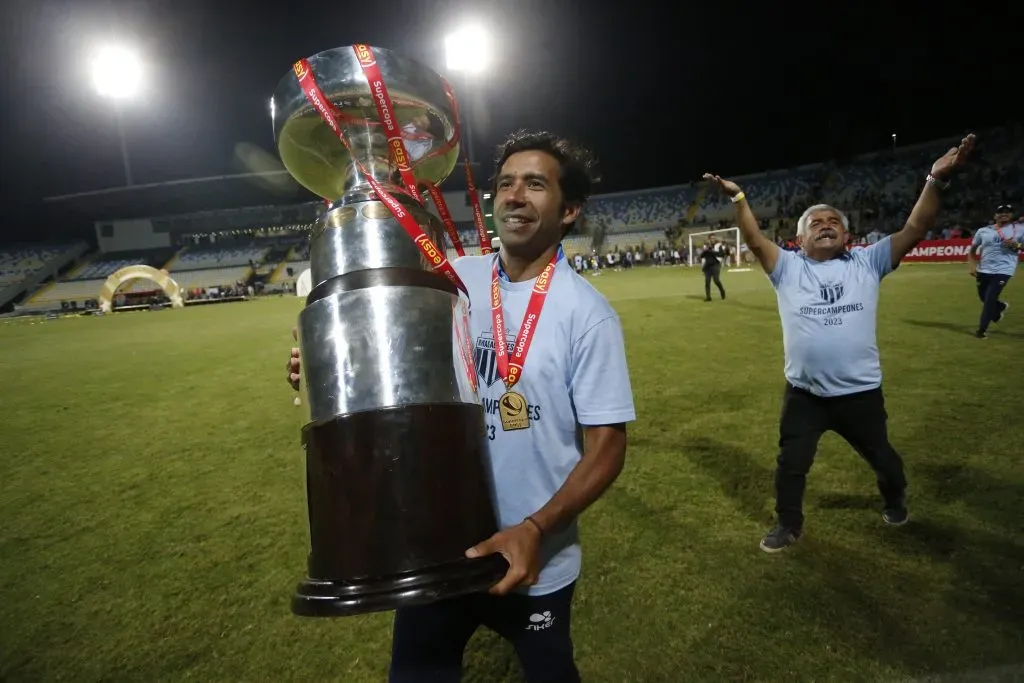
x,y
997,259
829,313
575,374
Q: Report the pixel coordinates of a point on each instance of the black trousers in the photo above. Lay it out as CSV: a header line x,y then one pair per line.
x,y
712,273
429,640
989,288
859,418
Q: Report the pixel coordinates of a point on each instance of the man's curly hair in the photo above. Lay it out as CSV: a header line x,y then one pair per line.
x,y
579,170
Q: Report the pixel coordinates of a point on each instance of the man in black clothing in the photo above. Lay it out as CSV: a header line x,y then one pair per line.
x,y
712,267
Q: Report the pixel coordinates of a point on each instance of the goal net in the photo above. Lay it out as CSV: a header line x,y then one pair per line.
x,y
729,238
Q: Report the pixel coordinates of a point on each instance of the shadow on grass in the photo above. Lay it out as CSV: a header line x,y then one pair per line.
x,y
755,307
860,612
988,568
996,332
849,501
966,328
948,327
992,500
825,600
742,478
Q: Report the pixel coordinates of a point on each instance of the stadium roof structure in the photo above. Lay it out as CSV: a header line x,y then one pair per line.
x,y
270,191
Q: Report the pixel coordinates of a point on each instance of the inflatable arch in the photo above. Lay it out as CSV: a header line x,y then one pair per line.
x,y
160,277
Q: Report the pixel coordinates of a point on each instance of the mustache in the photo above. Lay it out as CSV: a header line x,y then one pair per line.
x,y
825,233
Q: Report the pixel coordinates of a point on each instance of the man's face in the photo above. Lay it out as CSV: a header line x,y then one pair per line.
x,y
825,232
1004,217
529,209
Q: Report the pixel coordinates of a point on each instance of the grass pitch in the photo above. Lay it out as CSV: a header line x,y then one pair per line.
x,y
153,520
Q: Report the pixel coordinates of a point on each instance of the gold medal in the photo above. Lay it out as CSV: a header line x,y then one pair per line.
x,y
512,409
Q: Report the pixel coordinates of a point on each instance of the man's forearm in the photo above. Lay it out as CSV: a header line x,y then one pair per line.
x,y
747,223
603,459
925,211
921,220
763,249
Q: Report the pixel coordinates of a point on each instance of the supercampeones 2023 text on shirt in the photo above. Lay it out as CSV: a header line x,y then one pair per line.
x,y
829,313
575,374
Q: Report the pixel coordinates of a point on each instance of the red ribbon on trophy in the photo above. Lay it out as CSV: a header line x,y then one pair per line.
x,y
400,156
478,214
386,112
446,216
304,74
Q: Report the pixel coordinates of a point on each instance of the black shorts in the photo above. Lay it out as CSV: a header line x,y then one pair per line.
x,y
429,640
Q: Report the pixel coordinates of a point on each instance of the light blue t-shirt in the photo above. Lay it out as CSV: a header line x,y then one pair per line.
x,y
828,311
575,374
995,258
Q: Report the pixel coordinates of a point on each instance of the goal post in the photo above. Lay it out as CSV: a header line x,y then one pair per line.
x,y
727,236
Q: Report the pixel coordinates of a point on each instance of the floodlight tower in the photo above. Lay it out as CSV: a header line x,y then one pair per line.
x,y
117,75
468,53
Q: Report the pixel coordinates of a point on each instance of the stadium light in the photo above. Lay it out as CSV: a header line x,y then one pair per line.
x,y
117,73
468,49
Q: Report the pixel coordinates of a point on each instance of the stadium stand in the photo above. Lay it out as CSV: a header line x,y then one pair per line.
x,y
199,258
23,267
18,263
876,191
84,282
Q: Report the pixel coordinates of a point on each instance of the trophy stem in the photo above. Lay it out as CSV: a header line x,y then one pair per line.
x,y
370,156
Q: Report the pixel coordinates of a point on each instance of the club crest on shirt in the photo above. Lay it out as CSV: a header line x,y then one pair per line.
x,y
484,358
830,293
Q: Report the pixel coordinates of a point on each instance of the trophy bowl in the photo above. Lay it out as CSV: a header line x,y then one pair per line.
x,y
397,476
310,150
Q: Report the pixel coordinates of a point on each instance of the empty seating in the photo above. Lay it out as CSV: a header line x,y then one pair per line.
x,y
200,258
16,264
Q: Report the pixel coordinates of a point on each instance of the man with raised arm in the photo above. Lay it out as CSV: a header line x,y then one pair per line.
x,y
828,300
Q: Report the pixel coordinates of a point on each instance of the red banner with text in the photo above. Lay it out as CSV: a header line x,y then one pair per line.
x,y
938,251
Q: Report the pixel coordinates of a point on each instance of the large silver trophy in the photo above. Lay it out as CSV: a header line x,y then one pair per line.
x,y
397,480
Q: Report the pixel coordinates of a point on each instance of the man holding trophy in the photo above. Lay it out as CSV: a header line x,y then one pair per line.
x,y
549,362
828,299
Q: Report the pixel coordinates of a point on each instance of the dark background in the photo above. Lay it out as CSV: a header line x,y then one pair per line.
x,y
660,94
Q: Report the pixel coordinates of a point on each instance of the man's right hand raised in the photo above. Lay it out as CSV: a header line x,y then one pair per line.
x,y
727,186
766,252
293,363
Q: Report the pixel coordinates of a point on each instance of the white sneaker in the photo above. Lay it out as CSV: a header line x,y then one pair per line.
x,y
1006,307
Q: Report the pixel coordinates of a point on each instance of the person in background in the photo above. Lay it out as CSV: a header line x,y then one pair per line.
x,y
711,266
1000,247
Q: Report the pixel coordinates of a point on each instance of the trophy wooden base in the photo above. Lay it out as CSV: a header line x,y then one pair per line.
x,y
395,497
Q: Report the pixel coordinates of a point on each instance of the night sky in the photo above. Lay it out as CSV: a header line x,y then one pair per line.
x,y
659,94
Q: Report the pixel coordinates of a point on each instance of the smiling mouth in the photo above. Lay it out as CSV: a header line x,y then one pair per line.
x,y
825,235
515,221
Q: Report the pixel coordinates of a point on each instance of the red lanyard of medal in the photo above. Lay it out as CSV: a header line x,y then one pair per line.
x,y
512,405
385,110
